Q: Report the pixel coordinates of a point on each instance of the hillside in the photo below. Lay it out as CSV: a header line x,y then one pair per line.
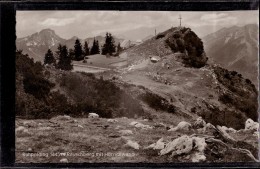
x,y
167,104
235,48
172,79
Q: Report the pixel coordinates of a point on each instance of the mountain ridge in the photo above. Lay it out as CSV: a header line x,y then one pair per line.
x,y
235,48
37,44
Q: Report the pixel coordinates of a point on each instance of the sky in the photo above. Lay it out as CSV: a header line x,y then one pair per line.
x,y
131,25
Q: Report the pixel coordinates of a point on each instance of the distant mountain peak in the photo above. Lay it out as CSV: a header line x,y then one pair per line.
x,y
47,31
74,37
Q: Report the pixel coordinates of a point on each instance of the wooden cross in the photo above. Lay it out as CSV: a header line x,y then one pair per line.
x,y
180,20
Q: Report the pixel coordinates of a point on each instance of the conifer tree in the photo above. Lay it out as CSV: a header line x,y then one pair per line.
x,y
49,58
119,48
109,46
95,48
78,50
71,54
86,49
64,62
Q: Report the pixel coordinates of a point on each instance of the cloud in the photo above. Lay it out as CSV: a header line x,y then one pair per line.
x,y
213,16
218,18
57,22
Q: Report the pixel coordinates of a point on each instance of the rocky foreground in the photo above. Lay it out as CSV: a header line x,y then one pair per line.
x,y
93,139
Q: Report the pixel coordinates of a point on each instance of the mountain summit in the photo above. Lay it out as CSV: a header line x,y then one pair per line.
x,y
38,43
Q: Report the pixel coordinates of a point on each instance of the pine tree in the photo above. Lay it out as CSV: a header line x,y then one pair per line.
x,y
57,53
119,48
49,58
109,46
78,50
86,49
71,54
95,48
64,62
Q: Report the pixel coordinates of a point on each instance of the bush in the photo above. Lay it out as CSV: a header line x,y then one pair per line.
x,y
159,36
156,102
101,96
37,86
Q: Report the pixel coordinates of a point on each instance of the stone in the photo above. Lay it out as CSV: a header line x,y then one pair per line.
x,y
133,144
29,124
64,160
182,126
80,126
159,145
199,143
112,120
126,132
45,128
93,115
251,125
192,147
178,146
198,157
22,131
61,118
210,126
140,125
199,123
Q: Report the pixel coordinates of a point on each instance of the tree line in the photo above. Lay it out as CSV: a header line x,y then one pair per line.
x,y
63,56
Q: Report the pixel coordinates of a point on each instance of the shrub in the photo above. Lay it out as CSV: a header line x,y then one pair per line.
x,y
159,36
101,96
37,86
156,102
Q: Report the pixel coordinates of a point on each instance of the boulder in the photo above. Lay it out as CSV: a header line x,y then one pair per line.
x,y
125,132
64,160
80,126
178,146
22,131
159,145
29,124
112,120
140,125
193,147
133,144
199,123
182,126
251,125
61,118
210,126
93,115
199,143
198,157
45,128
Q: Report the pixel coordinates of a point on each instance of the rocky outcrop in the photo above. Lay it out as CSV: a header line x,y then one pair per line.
x,y
251,125
193,147
184,40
